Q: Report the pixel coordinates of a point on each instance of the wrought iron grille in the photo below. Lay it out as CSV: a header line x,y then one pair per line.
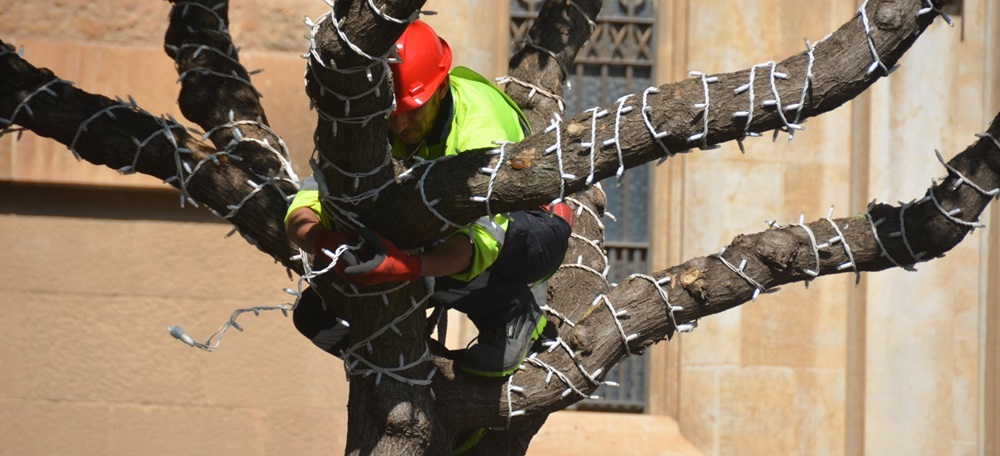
x,y
617,60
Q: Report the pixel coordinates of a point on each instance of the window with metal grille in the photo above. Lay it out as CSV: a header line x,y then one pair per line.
x,y
617,60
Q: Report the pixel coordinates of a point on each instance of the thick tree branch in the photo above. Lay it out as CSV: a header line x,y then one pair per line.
x,y
536,77
216,91
535,80
122,136
349,83
539,168
655,305
214,84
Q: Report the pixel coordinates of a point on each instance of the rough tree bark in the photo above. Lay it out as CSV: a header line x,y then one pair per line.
x,y
239,169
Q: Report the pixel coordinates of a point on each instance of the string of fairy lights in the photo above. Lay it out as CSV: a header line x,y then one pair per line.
x,y
355,357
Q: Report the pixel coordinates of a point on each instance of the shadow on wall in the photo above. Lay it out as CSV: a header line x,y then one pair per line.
x,y
99,203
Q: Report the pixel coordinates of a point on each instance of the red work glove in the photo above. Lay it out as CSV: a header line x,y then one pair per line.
x,y
332,240
389,264
561,210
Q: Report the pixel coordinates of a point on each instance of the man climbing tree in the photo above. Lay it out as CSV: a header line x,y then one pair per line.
x,y
485,270
406,396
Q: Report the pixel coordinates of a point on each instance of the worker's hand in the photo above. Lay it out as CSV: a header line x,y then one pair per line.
x,y
330,241
389,264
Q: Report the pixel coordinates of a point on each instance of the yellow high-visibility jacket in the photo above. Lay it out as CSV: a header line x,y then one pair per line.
x,y
480,116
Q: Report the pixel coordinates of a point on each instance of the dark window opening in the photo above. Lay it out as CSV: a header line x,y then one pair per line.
x,y
617,60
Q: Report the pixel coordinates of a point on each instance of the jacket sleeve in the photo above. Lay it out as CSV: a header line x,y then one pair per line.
x,y
483,114
308,196
487,238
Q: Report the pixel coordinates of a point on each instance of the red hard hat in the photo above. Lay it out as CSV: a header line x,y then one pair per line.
x,y
426,59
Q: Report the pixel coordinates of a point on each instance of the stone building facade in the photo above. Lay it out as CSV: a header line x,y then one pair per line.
x,y
97,265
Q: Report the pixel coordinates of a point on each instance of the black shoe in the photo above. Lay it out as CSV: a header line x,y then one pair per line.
x,y
501,350
323,327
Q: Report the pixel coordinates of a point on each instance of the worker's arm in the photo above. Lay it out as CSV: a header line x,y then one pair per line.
x,y
301,227
389,264
451,257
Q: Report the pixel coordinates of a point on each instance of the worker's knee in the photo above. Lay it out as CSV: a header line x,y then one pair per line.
x,y
534,246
